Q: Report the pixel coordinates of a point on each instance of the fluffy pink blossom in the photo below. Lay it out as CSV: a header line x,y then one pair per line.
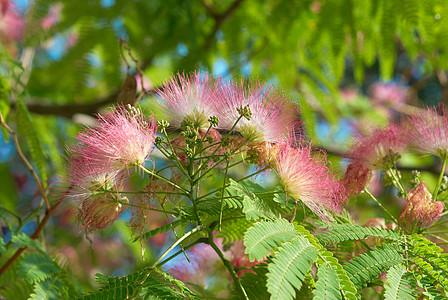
x,y
420,209
428,131
307,178
122,139
97,195
390,94
53,17
11,23
273,118
378,148
190,98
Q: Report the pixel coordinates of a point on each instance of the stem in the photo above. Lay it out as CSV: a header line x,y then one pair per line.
x,y
294,211
200,240
164,179
27,163
34,236
439,183
229,267
179,164
438,237
227,185
186,235
222,196
380,205
393,171
145,207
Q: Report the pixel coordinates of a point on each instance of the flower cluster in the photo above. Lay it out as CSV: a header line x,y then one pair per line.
x,y
97,165
191,100
425,131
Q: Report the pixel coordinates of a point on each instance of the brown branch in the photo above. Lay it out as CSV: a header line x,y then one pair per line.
x,y
68,110
49,210
34,236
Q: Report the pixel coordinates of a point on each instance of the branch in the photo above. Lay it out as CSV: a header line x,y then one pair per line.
x,y
69,110
49,210
26,162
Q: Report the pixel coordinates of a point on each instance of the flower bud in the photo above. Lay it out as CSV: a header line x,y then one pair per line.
x,y
419,209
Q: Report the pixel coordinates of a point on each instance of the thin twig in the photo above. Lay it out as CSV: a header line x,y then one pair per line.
x,y
26,162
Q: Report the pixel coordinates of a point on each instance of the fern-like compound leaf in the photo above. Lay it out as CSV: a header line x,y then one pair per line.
x,y
327,285
398,285
37,267
346,232
266,236
367,267
287,271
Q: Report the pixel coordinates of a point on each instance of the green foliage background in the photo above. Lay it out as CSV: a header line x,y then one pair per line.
x,y
310,49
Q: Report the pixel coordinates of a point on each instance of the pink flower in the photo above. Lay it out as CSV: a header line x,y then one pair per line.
x,y
123,139
307,178
273,118
428,131
97,196
379,148
191,99
356,178
388,93
419,209
53,17
11,23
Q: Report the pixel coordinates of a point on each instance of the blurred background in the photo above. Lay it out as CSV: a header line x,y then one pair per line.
x,y
351,65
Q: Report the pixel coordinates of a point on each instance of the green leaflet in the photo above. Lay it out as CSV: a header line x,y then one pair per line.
x,y
327,285
288,269
37,267
398,286
266,236
344,232
144,283
368,266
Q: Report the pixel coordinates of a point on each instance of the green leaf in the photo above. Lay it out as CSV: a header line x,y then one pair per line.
x,y
397,285
346,232
5,91
368,266
288,269
266,236
233,230
36,267
145,283
161,229
255,206
327,286
26,127
25,241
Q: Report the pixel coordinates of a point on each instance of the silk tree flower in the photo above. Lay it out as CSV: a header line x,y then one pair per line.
x,y
391,94
420,209
11,23
379,148
356,178
307,178
190,99
428,131
273,117
122,139
97,195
